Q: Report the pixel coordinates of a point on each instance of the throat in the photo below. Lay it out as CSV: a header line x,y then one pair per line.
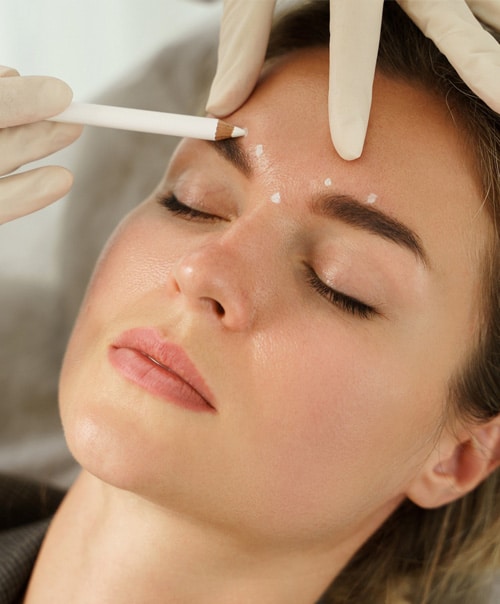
x,y
108,545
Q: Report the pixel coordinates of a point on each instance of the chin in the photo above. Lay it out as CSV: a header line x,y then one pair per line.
x,y
101,450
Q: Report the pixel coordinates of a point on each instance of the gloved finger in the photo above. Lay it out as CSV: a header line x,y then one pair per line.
x,y
6,72
472,51
22,144
354,39
486,10
23,193
243,42
31,99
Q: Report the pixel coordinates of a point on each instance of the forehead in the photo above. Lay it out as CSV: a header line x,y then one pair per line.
x,y
415,160
409,128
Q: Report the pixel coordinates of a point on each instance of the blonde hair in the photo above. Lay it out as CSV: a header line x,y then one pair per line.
x,y
447,555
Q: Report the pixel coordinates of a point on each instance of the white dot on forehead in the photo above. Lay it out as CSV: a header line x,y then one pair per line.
x,y
328,182
259,150
372,198
276,198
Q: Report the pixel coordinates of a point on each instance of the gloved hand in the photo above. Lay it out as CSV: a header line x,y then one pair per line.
x,y
24,137
354,37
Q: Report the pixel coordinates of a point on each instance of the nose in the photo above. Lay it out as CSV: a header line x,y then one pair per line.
x,y
220,278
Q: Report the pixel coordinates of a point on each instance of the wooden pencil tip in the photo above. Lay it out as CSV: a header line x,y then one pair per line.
x,y
225,130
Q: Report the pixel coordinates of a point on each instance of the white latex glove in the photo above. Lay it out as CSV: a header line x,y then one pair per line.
x,y
354,38
24,137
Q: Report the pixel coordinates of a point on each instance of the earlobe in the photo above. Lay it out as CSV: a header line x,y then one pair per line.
x,y
457,466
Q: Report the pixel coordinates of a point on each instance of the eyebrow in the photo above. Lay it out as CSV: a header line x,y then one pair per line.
x,y
346,208
352,211
232,150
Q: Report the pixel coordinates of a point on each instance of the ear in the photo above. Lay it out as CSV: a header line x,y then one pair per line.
x,y
457,465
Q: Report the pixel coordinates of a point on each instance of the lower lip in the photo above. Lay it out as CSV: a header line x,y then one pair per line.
x,y
156,380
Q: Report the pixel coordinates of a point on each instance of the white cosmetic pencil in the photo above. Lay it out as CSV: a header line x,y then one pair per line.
x,y
140,120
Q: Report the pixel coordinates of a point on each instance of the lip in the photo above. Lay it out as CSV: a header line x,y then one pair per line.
x,y
160,367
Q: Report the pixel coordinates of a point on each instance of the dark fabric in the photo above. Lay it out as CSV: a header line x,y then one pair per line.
x,y
25,511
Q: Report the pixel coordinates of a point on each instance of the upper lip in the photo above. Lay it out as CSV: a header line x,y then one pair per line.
x,y
149,342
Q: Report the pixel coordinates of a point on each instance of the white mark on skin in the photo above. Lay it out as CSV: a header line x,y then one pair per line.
x,y
328,182
259,150
372,198
276,198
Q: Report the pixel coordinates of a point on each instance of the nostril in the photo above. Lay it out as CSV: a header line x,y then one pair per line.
x,y
219,309
215,306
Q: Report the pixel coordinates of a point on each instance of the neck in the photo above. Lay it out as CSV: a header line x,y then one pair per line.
x,y
108,545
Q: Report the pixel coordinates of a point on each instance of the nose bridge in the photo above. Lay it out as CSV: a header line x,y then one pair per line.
x,y
241,247
247,240
231,273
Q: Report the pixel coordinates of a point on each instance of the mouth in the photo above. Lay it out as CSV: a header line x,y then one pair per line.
x,y
142,356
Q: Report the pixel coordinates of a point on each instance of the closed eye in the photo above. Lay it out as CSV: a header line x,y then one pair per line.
x,y
344,302
177,208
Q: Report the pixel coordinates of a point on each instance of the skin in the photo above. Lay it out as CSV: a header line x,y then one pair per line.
x,y
325,420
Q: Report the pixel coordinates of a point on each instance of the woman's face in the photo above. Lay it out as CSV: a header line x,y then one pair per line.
x,y
325,305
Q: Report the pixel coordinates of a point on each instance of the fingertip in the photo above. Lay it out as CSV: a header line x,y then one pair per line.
x,y
348,138
27,192
66,179
221,107
347,153
67,133
56,182
61,92
213,107
219,110
7,72
54,94
225,97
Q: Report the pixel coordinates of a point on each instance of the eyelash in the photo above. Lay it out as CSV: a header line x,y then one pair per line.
x,y
344,302
177,208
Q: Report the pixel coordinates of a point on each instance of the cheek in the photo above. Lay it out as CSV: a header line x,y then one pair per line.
x,y
332,400
131,265
135,261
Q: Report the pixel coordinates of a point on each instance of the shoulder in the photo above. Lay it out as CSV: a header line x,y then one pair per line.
x,y
26,508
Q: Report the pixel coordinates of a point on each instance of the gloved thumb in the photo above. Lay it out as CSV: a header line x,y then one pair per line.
x,y
243,41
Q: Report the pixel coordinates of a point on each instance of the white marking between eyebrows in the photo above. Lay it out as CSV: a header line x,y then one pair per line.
x,y
372,198
328,182
259,150
276,197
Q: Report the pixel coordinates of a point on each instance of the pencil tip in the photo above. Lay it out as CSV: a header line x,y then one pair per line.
x,y
225,130
237,131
